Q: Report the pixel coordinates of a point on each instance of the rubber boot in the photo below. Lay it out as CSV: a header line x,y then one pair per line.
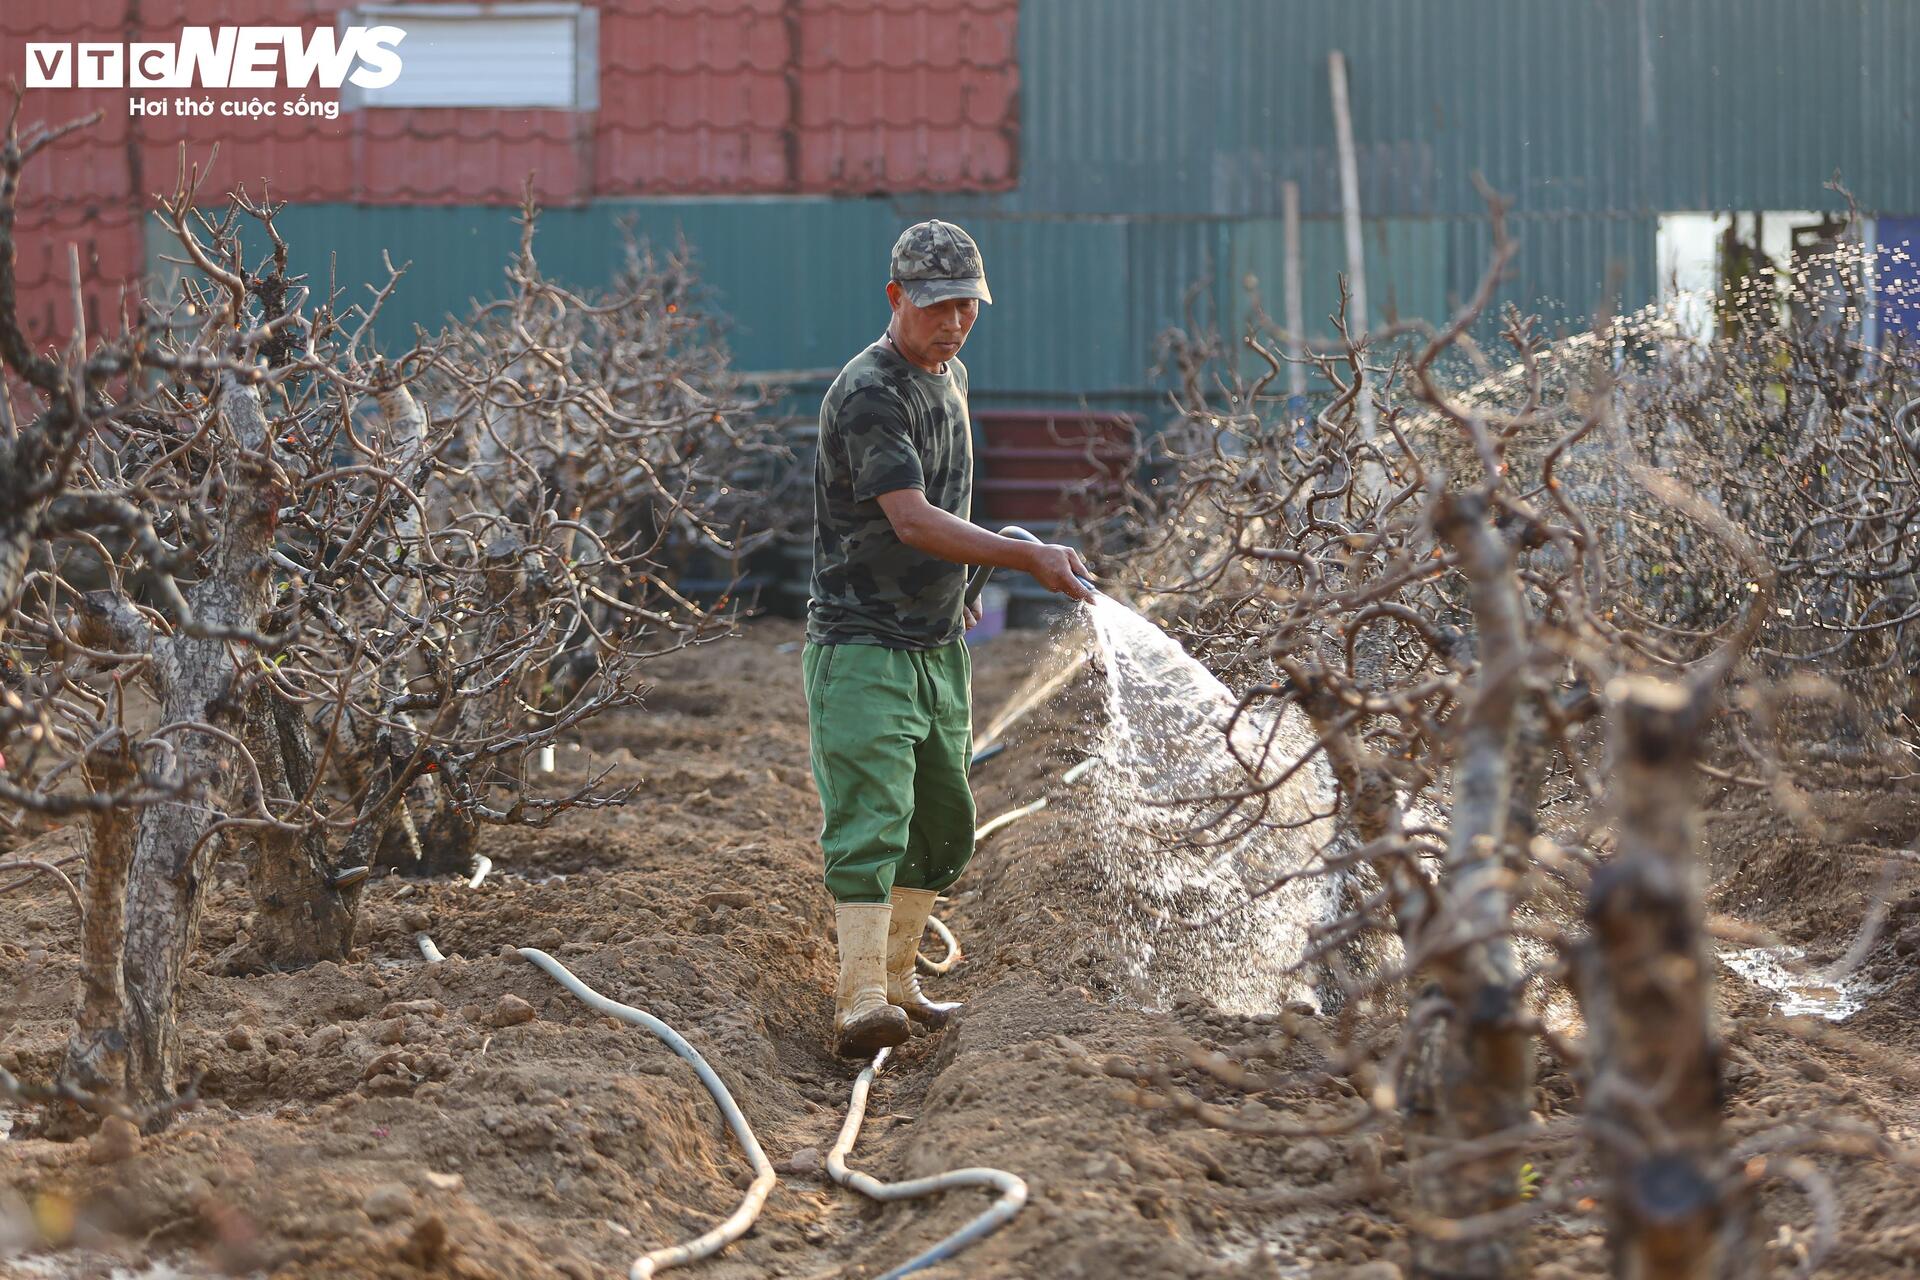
x,y
863,1022
911,907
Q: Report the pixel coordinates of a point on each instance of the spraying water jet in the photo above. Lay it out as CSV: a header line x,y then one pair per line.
x,y
1226,911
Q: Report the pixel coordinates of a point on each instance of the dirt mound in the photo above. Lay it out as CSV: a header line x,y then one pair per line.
x,y
386,1118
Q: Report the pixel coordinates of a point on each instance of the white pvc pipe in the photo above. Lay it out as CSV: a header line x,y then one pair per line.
x,y
1080,770
1012,1189
481,865
1011,815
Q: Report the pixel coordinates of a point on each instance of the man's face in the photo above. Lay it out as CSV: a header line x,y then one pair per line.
x,y
930,336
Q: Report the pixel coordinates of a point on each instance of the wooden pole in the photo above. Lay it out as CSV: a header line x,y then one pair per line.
x,y
1357,321
1296,307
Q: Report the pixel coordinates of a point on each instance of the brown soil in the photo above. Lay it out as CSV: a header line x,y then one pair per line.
x,y
368,1119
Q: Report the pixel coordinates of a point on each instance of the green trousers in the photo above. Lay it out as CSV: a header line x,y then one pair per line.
x,y
892,734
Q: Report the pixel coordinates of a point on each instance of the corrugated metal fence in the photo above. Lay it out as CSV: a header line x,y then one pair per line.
x,y
1154,138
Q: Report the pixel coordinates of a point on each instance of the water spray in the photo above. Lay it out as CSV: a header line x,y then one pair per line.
x,y
988,745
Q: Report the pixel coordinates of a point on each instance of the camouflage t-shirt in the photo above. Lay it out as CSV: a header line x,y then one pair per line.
x,y
887,424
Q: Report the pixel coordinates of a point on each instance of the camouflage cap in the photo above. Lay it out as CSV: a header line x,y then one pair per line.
x,y
935,261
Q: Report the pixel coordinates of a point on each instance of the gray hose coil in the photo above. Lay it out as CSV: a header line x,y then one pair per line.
x,y
1012,1188
742,1218
764,1177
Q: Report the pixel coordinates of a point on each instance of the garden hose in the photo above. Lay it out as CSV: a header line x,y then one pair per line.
x,y
740,1219
1013,1191
952,958
985,754
1012,1188
986,829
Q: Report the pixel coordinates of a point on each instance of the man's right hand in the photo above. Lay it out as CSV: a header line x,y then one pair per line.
x,y
1060,569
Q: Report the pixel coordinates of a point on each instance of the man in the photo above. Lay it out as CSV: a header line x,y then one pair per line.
x,y
888,678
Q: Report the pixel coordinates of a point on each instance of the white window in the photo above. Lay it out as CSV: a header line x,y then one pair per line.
x,y
1711,263
535,54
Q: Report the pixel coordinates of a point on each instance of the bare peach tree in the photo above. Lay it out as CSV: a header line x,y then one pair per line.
x,y
1453,605
274,590
1812,441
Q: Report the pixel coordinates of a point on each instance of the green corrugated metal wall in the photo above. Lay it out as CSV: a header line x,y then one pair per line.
x,y
1593,106
1079,303
1155,136
784,271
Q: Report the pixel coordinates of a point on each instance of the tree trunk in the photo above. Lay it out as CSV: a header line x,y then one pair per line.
x,y
1373,800
1655,1099
171,859
1472,1076
299,917
174,847
96,1049
416,836
448,839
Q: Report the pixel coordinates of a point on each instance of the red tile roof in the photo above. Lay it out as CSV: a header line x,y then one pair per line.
x,y
696,97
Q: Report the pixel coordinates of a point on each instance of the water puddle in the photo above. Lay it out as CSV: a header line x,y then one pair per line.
x,y
1194,877
531,877
1282,1242
1798,991
1282,1247
83,1265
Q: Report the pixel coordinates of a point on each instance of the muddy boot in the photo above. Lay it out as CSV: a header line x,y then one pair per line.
x,y
911,907
863,1022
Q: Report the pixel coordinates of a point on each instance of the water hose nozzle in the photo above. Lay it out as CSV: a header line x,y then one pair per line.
x,y
985,571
